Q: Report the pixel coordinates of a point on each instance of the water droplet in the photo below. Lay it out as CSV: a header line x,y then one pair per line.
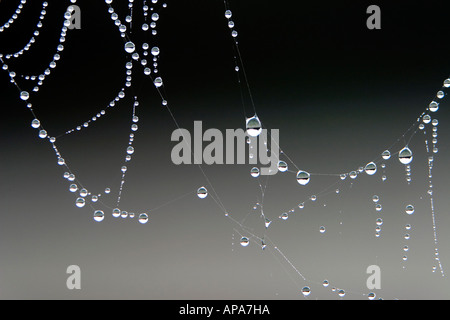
x,y
107,190
254,172
228,14
158,82
371,296
130,150
155,51
322,229
42,134
253,126
130,47
371,168
24,95
447,83
244,241
35,123
267,222
426,119
379,222
282,166
325,283
303,177
83,192
375,198
116,213
99,215
284,216
73,188
306,291
143,218
202,193
405,248
313,197
80,202
434,106
409,209
378,207
405,155
353,175
341,293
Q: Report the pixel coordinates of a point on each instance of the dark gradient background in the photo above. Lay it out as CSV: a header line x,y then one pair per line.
x,y
339,93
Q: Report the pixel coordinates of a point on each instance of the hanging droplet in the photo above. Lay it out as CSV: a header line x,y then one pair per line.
x,y
42,134
447,83
325,283
370,168
405,155
155,51
306,291
254,172
80,202
426,119
386,154
202,193
379,222
143,218
99,215
228,14
409,209
244,241
303,177
253,126
35,123
267,222
73,188
83,192
434,106
371,296
282,166
130,47
322,229
313,197
158,82
341,293
378,207
116,213
24,95
353,175
130,150
375,198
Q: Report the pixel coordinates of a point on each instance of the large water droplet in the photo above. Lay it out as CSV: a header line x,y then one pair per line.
x,y
253,126
254,172
130,47
244,241
99,215
116,213
434,106
405,155
80,202
35,123
306,291
303,177
409,209
282,166
158,82
143,218
24,95
202,193
371,168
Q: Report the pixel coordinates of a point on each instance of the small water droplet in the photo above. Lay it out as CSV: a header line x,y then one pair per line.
x,y
306,291
303,177
202,193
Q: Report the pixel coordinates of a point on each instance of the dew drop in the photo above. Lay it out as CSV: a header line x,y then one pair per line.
x,y
253,126
306,291
371,296
35,123
254,172
158,82
370,168
143,218
24,95
303,177
116,213
202,193
405,156
130,47
80,202
282,166
244,241
322,229
409,209
99,215
434,106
